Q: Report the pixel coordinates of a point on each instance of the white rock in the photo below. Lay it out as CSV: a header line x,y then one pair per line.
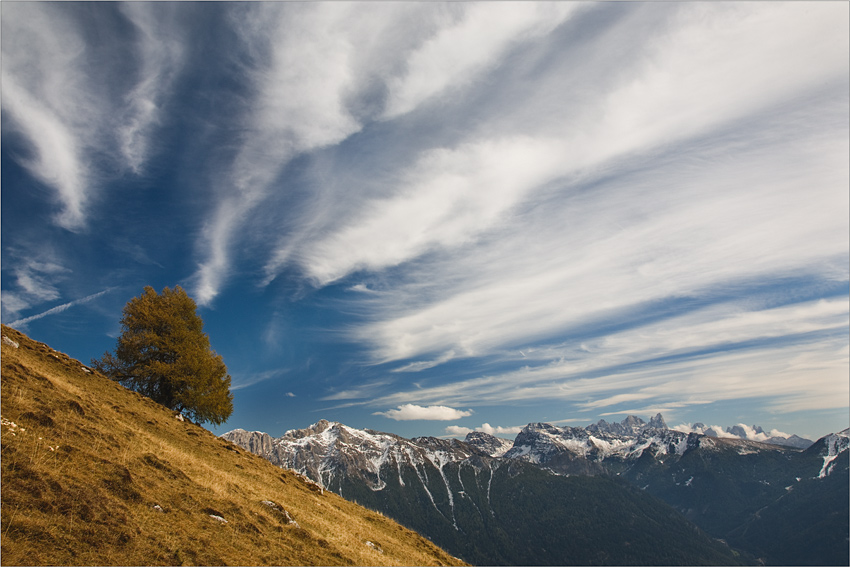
x,y
374,546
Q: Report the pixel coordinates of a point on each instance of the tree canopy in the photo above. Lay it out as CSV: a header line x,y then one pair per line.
x,y
164,354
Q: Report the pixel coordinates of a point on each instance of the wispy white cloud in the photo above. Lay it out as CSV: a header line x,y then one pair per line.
x,y
531,200
426,364
160,51
360,391
33,279
82,117
410,412
299,104
451,196
36,276
51,99
679,362
315,90
247,380
361,288
59,308
57,160
473,41
562,224
674,232
58,92
442,205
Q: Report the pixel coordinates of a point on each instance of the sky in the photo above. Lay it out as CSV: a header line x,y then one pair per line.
x,y
429,218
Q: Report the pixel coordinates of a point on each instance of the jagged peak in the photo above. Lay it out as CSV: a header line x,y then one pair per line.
x,y
478,435
319,427
489,444
657,422
632,420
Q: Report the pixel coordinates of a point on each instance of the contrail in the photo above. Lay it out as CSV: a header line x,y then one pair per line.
x,y
59,308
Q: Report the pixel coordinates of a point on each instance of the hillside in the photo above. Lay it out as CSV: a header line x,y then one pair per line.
x,y
95,474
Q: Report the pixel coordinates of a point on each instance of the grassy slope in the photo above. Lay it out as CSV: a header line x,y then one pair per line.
x,y
84,462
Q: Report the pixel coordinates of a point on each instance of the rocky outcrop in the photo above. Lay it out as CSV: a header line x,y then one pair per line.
x,y
254,441
489,444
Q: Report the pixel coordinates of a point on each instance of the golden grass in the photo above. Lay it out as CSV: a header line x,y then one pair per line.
x,y
93,473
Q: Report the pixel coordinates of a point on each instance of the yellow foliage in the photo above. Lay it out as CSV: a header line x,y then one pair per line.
x,y
164,354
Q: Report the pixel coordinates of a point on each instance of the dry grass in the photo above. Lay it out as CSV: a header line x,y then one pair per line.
x,y
95,474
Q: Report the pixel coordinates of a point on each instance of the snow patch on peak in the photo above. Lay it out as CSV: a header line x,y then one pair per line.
x,y
835,444
539,442
489,444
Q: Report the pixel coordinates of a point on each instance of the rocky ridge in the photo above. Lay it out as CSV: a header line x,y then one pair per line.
x,y
489,444
448,489
328,449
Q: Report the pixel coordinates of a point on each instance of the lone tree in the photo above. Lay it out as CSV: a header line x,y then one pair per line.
x,y
164,354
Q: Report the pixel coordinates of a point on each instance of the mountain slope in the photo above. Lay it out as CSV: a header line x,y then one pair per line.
x,y
808,523
751,494
95,474
491,510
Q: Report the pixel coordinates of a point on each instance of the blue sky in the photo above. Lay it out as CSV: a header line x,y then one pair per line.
x,y
427,218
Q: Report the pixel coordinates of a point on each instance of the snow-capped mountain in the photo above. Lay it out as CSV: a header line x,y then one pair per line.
x,y
630,426
458,493
489,444
614,447
829,448
577,450
486,509
327,450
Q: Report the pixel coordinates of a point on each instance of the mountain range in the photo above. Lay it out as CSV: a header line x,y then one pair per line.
x,y
714,500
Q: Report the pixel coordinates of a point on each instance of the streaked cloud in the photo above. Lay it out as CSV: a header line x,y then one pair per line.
x,y
301,89
161,54
58,309
690,360
36,277
426,364
473,40
662,98
58,90
361,391
248,380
